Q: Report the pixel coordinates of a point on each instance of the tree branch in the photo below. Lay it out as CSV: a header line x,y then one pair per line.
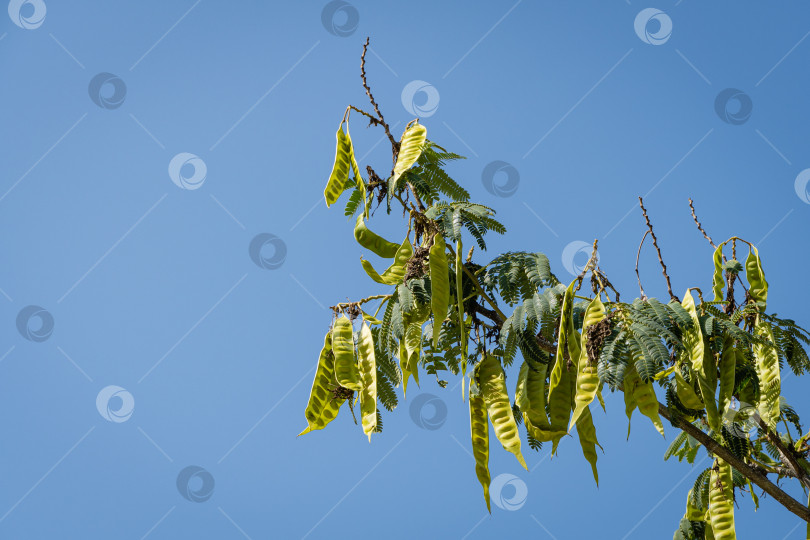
x,y
394,143
638,276
753,474
787,456
655,243
700,227
746,470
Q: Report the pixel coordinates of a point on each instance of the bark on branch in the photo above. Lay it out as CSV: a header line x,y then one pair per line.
x,y
746,470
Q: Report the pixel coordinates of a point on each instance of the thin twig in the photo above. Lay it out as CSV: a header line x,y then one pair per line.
x,y
785,453
709,238
655,243
394,143
700,227
372,120
590,265
638,277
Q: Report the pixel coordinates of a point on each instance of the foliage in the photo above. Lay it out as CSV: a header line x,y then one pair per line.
x,y
716,362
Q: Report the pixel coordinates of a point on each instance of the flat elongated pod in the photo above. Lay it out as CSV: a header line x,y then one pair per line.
x,y
340,170
368,379
396,272
703,362
770,379
643,397
693,513
410,148
492,382
413,346
346,372
727,366
721,501
439,285
587,376
718,282
587,439
322,408
479,430
686,393
530,396
562,380
372,241
756,279
629,401
693,337
361,185
534,390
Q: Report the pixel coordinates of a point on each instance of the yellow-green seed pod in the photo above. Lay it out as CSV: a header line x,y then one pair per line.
x,y
693,513
492,382
727,365
439,285
562,382
479,430
587,439
368,378
587,377
758,286
770,379
718,282
530,396
346,371
643,397
322,408
704,364
372,241
410,148
686,393
396,272
721,501
340,170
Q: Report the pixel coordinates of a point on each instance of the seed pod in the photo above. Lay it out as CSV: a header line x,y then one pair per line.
x,y
530,396
322,408
372,241
439,285
368,378
587,439
562,382
758,287
721,501
703,362
492,382
686,393
728,364
410,148
770,380
413,346
587,377
346,372
643,397
340,170
693,513
717,279
396,272
479,430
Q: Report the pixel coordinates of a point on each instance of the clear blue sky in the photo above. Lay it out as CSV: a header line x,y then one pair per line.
x,y
151,287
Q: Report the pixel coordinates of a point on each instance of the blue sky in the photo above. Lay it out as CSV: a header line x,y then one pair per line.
x,y
151,288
